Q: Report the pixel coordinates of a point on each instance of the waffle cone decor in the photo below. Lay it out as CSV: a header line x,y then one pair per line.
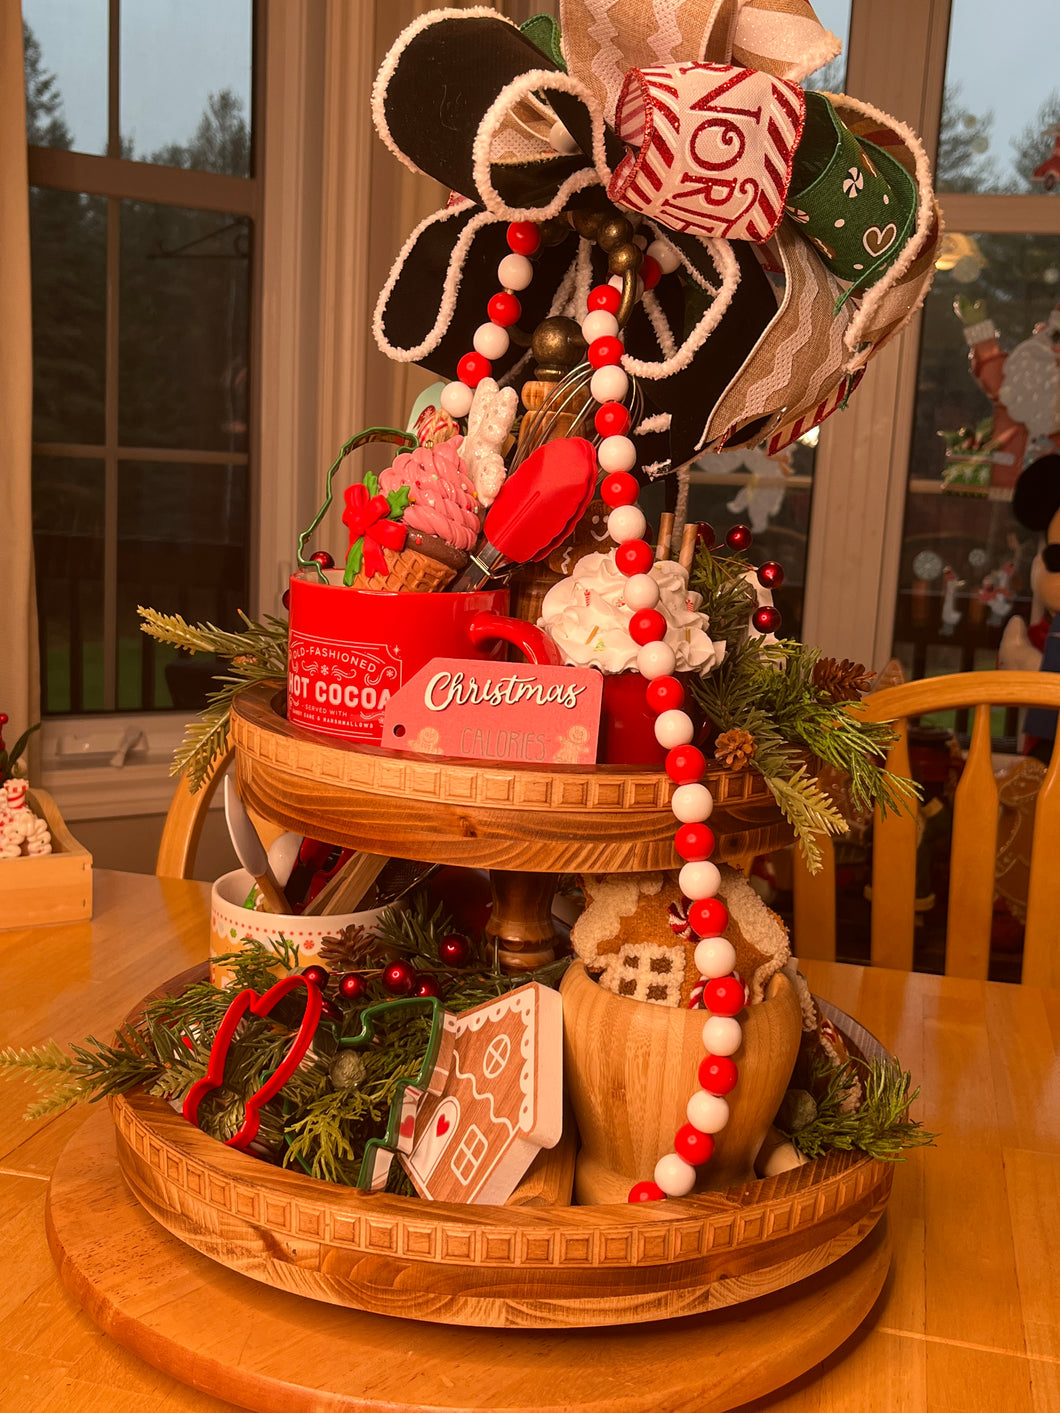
x,y
408,572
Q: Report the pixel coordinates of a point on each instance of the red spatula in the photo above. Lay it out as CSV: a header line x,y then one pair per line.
x,y
535,510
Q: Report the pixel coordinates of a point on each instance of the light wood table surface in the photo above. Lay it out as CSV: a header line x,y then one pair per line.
x,y
968,1322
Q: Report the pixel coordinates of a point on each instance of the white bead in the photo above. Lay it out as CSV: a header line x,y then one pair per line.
x,y
674,728
456,399
666,259
641,590
560,140
656,660
491,341
714,957
707,1112
722,1035
700,879
515,272
609,384
640,241
692,804
616,454
626,522
676,1177
599,324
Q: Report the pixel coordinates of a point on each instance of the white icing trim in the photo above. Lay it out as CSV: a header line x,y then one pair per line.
x,y
450,289
390,63
527,84
658,422
659,323
725,263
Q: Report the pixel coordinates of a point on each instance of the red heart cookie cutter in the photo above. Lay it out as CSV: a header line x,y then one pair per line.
x,y
248,1002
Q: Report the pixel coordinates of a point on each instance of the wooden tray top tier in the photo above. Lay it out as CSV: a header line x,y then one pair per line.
x,y
477,814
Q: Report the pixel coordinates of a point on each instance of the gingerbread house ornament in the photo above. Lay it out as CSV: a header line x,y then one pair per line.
x,y
502,1101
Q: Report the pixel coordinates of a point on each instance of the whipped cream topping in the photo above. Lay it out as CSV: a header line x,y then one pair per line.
x,y
442,500
587,617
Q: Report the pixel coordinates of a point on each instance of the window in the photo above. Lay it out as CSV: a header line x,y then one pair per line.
x,y
143,206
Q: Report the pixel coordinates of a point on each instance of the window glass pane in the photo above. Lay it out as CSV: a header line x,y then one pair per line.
x,y
965,563
65,44
185,83
182,548
771,495
185,285
68,239
835,16
1000,118
68,544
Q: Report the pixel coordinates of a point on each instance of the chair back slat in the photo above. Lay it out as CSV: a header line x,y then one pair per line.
x,y
894,872
973,853
1041,938
814,903
185,819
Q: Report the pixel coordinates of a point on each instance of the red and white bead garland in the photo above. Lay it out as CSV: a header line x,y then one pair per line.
x,y
724,994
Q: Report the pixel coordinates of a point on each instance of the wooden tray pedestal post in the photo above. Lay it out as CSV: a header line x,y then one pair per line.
x,y
521,920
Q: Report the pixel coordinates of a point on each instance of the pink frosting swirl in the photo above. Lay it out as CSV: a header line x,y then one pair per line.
x,y
442,499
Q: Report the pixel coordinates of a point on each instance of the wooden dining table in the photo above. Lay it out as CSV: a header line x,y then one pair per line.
x,y
968,1320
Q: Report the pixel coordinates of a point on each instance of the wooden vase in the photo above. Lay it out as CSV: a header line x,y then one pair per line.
x,y
631,1068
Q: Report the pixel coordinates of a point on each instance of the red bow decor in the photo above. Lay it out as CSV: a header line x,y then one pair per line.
x,y
370,527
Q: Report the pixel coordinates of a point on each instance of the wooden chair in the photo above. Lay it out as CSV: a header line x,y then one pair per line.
x,y
184,822
973,846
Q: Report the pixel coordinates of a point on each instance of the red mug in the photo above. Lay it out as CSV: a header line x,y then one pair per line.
x,y
627,723
350,650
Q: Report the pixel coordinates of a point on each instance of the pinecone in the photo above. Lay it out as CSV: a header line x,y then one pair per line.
x,y
844,681
352,949
734,748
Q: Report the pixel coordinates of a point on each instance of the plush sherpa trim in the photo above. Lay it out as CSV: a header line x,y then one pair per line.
x,y
450,288
633,963
393,57
659,323
807,1004
610,900
726,264
762,928
526,86
660,422
926,216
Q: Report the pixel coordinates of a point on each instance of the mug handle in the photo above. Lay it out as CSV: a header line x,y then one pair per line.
x,y
537,647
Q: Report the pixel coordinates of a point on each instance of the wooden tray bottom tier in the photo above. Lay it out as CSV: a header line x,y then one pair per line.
x,y
271,1351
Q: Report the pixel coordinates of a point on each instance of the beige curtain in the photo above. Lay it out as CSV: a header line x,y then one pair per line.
x,y
19,677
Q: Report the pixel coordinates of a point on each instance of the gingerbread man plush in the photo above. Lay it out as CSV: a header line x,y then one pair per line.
x,y
1036,504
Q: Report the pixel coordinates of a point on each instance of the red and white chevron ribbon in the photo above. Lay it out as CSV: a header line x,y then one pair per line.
x,y
710,148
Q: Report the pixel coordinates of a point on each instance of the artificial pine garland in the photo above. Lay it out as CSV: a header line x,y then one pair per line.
x,y
258,655
879,1125
776,693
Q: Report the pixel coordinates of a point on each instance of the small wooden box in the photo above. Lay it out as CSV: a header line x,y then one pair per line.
x,y
55,887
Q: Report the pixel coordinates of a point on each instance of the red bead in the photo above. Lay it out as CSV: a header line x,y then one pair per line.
x,y
705,536
647,626
650,271
605,351
454,950
323,559
316,976
285,598
708,917
504,309
619,488
766,619
718,1074
664,694
694,842
353,987
427,986
691,1145
739,537
724,996
399,978
329,1010
472,368
634,557
646,1192
770,574
604,297
612,419
685,765
524,238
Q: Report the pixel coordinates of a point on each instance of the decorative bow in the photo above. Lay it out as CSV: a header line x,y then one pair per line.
x,y
373,523
688,113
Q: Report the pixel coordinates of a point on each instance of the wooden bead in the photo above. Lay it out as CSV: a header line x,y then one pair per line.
x,y
613,232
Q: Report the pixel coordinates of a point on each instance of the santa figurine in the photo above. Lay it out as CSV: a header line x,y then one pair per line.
x,y
1023,387
1036,504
